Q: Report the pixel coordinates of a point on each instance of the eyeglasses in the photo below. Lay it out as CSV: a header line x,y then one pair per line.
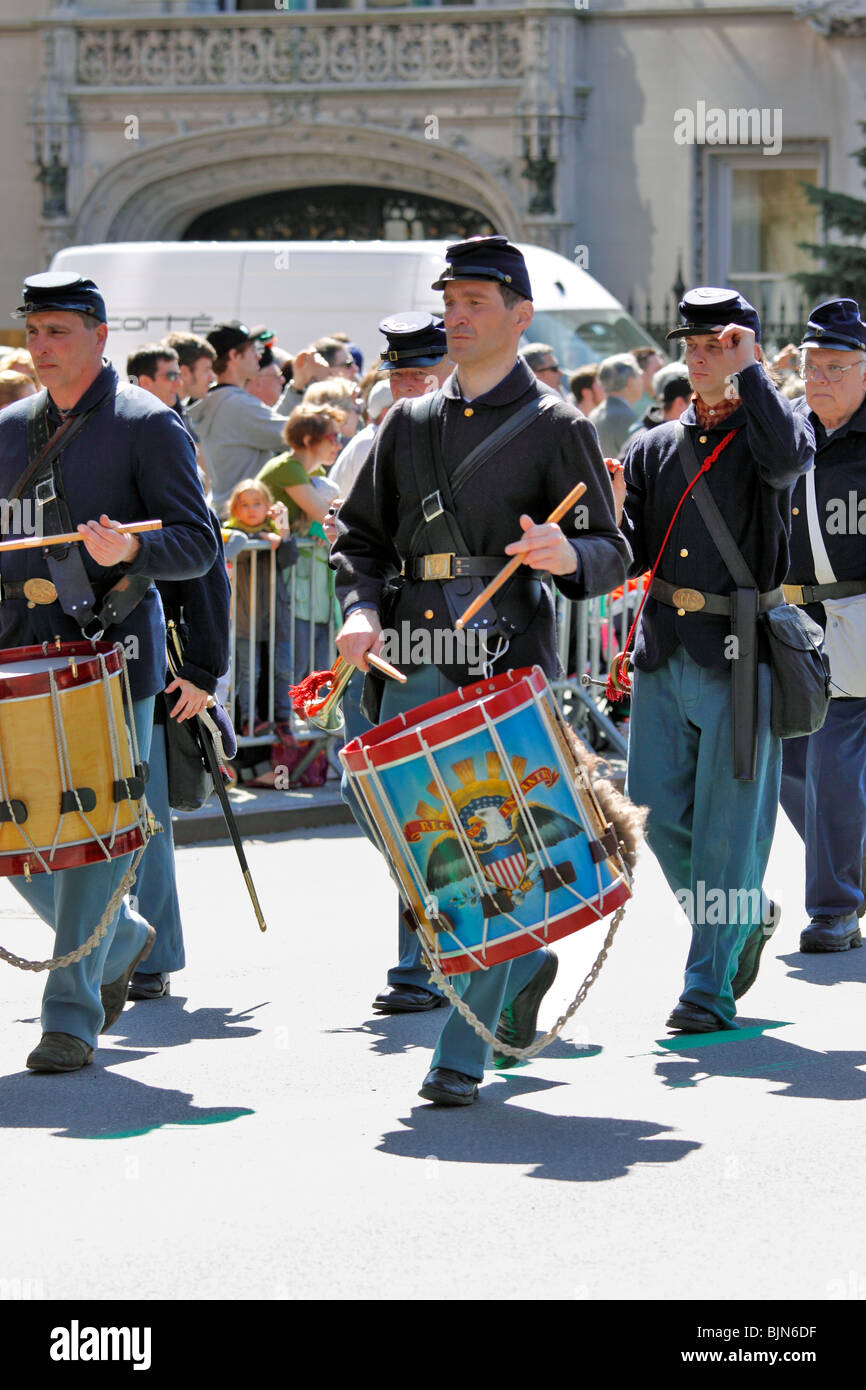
x,y
170,376
551,367
833,371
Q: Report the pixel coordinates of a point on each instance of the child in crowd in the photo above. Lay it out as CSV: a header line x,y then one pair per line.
x,y
253,512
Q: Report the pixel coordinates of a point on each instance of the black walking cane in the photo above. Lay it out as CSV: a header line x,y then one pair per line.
x,y
204,736
205,731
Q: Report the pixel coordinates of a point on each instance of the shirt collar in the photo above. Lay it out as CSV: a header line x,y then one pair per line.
x,y
711,416
107,379
510,388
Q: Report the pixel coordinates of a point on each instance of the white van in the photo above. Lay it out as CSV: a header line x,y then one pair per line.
x,y
306,289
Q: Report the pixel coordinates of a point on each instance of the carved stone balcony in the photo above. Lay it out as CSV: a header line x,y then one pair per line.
x,y
302,51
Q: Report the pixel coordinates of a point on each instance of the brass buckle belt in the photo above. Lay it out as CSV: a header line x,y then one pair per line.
x,y
717,605
33,590
446,565
816,593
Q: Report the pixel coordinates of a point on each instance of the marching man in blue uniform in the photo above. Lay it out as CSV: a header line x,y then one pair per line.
x,y
701,753
388,523
128,458
824,775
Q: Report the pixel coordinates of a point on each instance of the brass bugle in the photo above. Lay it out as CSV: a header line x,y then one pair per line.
x,y
326,713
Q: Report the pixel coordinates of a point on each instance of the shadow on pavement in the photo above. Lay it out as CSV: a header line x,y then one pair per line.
x,y
165,1023
561,1148
95,1103
392,1034
827,967
800,1071
398,1033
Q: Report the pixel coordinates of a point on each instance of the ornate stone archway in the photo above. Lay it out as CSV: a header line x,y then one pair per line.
x,y
157,193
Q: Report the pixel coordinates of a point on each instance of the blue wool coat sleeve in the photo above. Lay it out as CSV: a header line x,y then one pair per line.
x,y
780,439
167,483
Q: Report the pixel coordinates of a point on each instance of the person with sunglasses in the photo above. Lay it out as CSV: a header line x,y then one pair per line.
x,y
155,368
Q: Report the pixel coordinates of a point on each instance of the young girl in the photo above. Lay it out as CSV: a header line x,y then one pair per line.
x,y
298,478
253,512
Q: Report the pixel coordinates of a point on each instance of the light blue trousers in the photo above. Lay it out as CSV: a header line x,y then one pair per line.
x,y
711,834
72,903
154,896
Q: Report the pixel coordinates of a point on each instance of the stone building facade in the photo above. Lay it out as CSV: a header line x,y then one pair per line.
x,y
560,122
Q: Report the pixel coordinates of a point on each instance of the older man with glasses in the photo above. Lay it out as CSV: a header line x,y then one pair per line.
x,y
824,775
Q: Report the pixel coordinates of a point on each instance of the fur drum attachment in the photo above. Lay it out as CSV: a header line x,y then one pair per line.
x,y
627,819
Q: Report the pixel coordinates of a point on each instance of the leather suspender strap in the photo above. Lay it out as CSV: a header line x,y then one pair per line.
x,y
506,432
47,446
439,530
65,564
744,619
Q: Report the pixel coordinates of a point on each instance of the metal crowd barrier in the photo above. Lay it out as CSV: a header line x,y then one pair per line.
x,y
589,635
242,650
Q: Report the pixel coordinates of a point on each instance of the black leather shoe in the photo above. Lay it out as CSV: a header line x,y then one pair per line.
x,y
750,956
518,1019
826,933
114,996
60,1052
155,986
691,1018
407,999
446,1087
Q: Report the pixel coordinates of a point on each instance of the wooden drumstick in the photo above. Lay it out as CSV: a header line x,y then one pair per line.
x,y
386,668
67,537
514,563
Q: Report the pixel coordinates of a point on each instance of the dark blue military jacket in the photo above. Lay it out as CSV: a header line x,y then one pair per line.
x,y
840,492
751,484
134,461
534,473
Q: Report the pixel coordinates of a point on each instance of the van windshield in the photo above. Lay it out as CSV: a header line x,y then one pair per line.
x,y
579,336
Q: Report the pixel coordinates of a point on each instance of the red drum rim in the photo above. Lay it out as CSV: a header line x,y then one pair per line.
x,y
86,656
459,961
127,841
448,717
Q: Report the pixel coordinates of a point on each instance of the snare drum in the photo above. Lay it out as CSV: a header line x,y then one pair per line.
x,y
70,790
489,821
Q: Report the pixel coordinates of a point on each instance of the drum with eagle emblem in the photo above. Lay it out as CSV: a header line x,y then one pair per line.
x,y
488,818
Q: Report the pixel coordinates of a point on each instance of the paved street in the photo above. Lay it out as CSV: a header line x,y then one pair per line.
x,y
268,1123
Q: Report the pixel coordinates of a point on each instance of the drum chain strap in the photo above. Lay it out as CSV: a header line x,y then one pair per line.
x,y
524,1054
73,957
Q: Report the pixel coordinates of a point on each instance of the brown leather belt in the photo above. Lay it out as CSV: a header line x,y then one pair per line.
x,y
816,593
717,605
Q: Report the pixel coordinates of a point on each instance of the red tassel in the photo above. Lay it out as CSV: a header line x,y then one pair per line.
x,y
308,689
618,682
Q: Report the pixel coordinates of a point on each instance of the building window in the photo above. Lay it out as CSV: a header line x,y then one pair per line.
x,y
757,215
